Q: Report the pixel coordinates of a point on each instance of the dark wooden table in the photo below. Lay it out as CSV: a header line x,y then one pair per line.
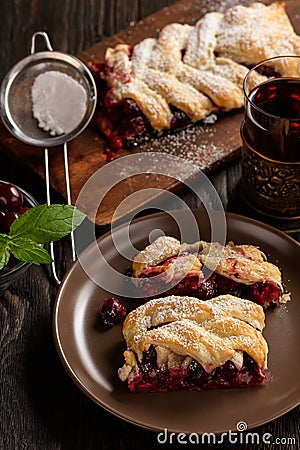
x,y
41,408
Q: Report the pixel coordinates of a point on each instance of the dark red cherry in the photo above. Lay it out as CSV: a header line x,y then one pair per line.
x,y
264,292
196,373
112,312
227,370
206,289
23,210
150,355
11,199
115,143
110,156
2,215
8,220
228,286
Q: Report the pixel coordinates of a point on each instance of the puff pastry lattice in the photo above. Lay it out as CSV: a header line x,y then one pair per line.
x,y
188,72
185,343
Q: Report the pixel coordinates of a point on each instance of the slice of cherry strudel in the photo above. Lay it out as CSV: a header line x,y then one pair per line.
x,y
204,270
178,343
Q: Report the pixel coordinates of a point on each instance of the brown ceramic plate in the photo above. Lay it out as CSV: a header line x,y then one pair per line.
x,y
92,357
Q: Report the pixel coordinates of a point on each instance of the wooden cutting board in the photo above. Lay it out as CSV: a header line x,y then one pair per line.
x,y
207,147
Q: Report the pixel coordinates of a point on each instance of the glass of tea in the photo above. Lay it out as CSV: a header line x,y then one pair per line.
x,y
271,141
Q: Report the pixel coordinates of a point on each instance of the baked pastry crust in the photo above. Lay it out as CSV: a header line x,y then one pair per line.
x,y
199,69
246,265
243,263
182,329
162,248
252,34
169,309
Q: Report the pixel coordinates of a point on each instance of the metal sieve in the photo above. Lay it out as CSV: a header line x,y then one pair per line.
x,y
16,107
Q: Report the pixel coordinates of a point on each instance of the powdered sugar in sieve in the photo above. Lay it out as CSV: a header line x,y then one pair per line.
x,y
59,102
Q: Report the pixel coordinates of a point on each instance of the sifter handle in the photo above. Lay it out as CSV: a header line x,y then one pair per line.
x,y
46,39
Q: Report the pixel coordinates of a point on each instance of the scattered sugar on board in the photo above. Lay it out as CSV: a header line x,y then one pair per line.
x,y
59,102
200,150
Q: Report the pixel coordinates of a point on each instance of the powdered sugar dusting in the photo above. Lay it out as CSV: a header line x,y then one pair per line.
x,y
167,51
141,56
202,42
251,34
196,147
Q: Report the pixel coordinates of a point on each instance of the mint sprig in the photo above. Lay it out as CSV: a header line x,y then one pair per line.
x,y
39,225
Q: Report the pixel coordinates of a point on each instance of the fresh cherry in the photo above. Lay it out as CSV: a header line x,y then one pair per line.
x,y
8,220
115,143
2,215
112,312
11,199
23,210
110,156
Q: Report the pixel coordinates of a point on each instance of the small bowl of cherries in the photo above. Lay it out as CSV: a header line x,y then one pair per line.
x,y
14,201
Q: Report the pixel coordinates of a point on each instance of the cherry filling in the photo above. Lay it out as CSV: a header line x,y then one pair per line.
x,y
268,71
122,122
152,378
191,285
266,293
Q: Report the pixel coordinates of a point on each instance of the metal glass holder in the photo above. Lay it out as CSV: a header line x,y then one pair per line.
x,y
16,109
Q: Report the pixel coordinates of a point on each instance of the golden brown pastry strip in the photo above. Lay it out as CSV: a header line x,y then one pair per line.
x,y
169,309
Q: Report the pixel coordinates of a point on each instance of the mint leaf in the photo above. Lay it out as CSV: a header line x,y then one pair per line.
x,y
4,240
4,258
46,223
27,250
4,250
39,225
27,220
